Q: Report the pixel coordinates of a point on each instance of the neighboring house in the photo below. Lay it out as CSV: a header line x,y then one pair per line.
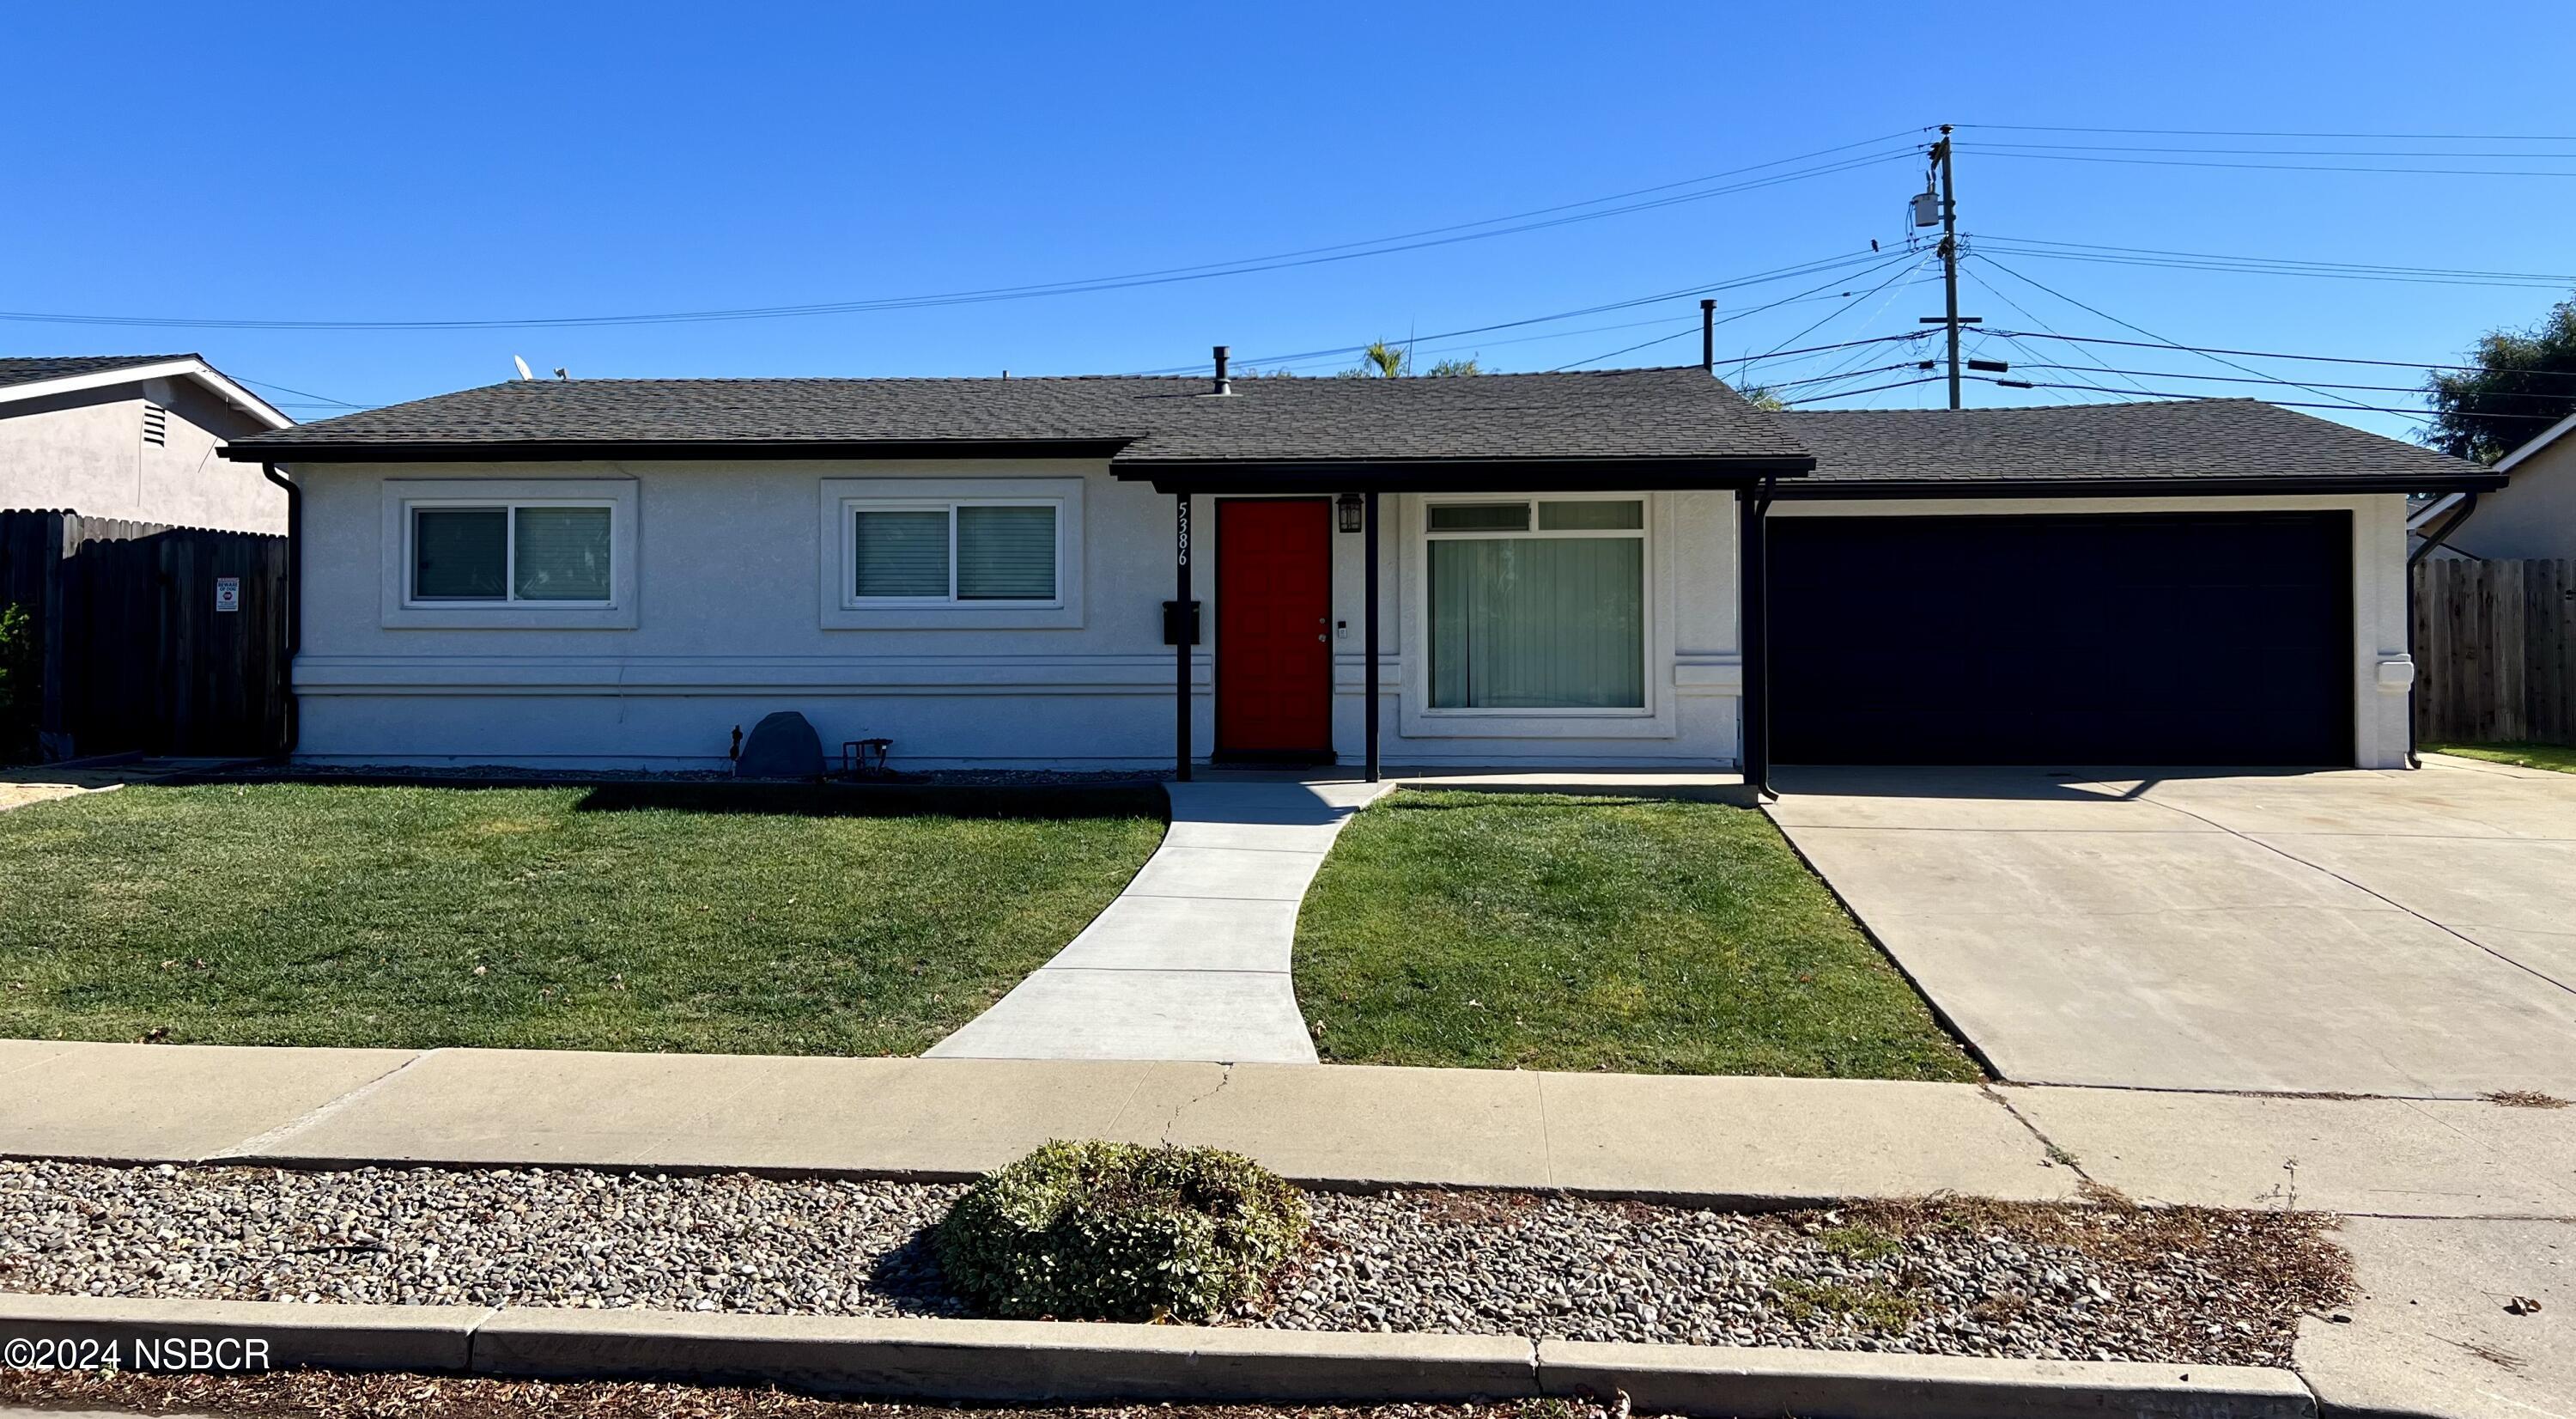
x,y
2533,515
620,572
133,436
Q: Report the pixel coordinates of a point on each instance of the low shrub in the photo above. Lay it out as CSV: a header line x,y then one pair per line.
x,y
1119,1231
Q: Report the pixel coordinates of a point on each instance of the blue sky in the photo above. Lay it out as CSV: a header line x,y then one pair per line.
x,y
374,163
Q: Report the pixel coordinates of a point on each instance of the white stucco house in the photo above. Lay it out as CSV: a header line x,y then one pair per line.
x,y
2532,515
1590,569
135,437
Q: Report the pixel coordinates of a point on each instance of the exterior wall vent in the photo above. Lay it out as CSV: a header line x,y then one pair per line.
x,y
156,424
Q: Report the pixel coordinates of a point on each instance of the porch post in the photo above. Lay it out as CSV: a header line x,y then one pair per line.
x,y
1181,639
1368,631
1753,610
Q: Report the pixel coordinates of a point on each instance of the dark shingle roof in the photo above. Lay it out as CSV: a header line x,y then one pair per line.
x,y
1629,414
2181,441
34,369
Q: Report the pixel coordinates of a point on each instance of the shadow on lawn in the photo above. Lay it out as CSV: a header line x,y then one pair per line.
x,y
883,800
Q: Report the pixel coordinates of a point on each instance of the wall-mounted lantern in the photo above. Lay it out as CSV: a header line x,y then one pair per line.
x,y
1350,506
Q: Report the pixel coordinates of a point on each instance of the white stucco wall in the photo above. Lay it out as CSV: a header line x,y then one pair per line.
x,y
86,451
2381,670
727,627
2534,515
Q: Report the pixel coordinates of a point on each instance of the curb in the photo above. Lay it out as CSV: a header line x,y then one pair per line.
x,y
1080,1362
1851,1384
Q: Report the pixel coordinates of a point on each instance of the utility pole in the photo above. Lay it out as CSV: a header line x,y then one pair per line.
x,y
1938,205
1949,257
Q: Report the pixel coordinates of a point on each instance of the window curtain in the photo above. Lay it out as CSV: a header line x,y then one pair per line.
x,y
1006,554
562,554
1538,623
458,553
902,553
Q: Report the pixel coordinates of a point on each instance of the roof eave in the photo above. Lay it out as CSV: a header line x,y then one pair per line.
x,y
658,450
1455,474
189,367
2246,486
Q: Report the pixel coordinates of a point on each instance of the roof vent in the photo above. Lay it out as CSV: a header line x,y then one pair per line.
x,y
156,424
1224,381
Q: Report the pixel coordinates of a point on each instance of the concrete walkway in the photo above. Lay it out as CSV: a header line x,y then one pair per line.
x,y
2456,1207
1191,961
1702,1138
2354,931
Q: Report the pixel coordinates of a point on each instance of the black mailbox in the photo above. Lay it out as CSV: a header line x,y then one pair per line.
x,y
1176,615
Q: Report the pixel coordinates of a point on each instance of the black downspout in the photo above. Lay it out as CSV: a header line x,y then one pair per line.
x,y
2468,504
1368,629
1181,641
1753,574
294,599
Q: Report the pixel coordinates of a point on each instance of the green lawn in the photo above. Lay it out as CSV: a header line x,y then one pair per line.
x,y
2530,756
1554,932
334,915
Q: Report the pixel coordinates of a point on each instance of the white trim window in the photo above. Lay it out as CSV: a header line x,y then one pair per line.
x,y
550,552
510,553
951,553
1536,606
998,552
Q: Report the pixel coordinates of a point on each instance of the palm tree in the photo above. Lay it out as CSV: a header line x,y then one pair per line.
x,y
1386,361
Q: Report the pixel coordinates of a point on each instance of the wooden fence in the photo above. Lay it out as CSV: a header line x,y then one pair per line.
x,y
2495,651
170,640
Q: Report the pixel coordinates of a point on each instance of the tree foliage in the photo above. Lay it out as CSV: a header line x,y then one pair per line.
x,y
2525,380
1384,361
21,656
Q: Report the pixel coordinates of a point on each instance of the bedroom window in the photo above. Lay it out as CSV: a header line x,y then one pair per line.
x,y
1537,604
508,553
961,553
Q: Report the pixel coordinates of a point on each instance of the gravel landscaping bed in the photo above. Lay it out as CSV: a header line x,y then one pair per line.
x,y
1957,1278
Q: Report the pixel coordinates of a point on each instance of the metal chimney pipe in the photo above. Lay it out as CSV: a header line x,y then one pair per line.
x,y
1224,382
1708,334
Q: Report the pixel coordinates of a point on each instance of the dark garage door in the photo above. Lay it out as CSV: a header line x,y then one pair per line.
x,y
2119,639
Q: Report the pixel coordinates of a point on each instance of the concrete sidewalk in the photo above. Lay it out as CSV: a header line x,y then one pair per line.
x,y
1704,1139
2457,1206
1191,961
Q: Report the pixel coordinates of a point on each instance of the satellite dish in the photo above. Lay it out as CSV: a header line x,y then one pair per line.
x,y
524,371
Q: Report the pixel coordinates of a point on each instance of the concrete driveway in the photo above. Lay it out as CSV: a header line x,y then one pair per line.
x,y
2364,932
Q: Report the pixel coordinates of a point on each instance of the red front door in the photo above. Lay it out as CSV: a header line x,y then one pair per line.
x,y
1274,628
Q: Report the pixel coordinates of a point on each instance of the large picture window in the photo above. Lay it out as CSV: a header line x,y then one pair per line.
x,y
503,553
954,553
1537,604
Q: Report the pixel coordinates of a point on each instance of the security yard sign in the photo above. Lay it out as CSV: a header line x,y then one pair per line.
x,y
227,593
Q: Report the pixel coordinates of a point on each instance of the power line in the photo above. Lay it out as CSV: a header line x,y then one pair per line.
x,y
2263,133
319,399
1535,220
1873,389
1759,309
2142,330
2259,379
1910,269
2162,344
2276,266
1779,273
2263,152
2026,314
1994,152
2285,403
